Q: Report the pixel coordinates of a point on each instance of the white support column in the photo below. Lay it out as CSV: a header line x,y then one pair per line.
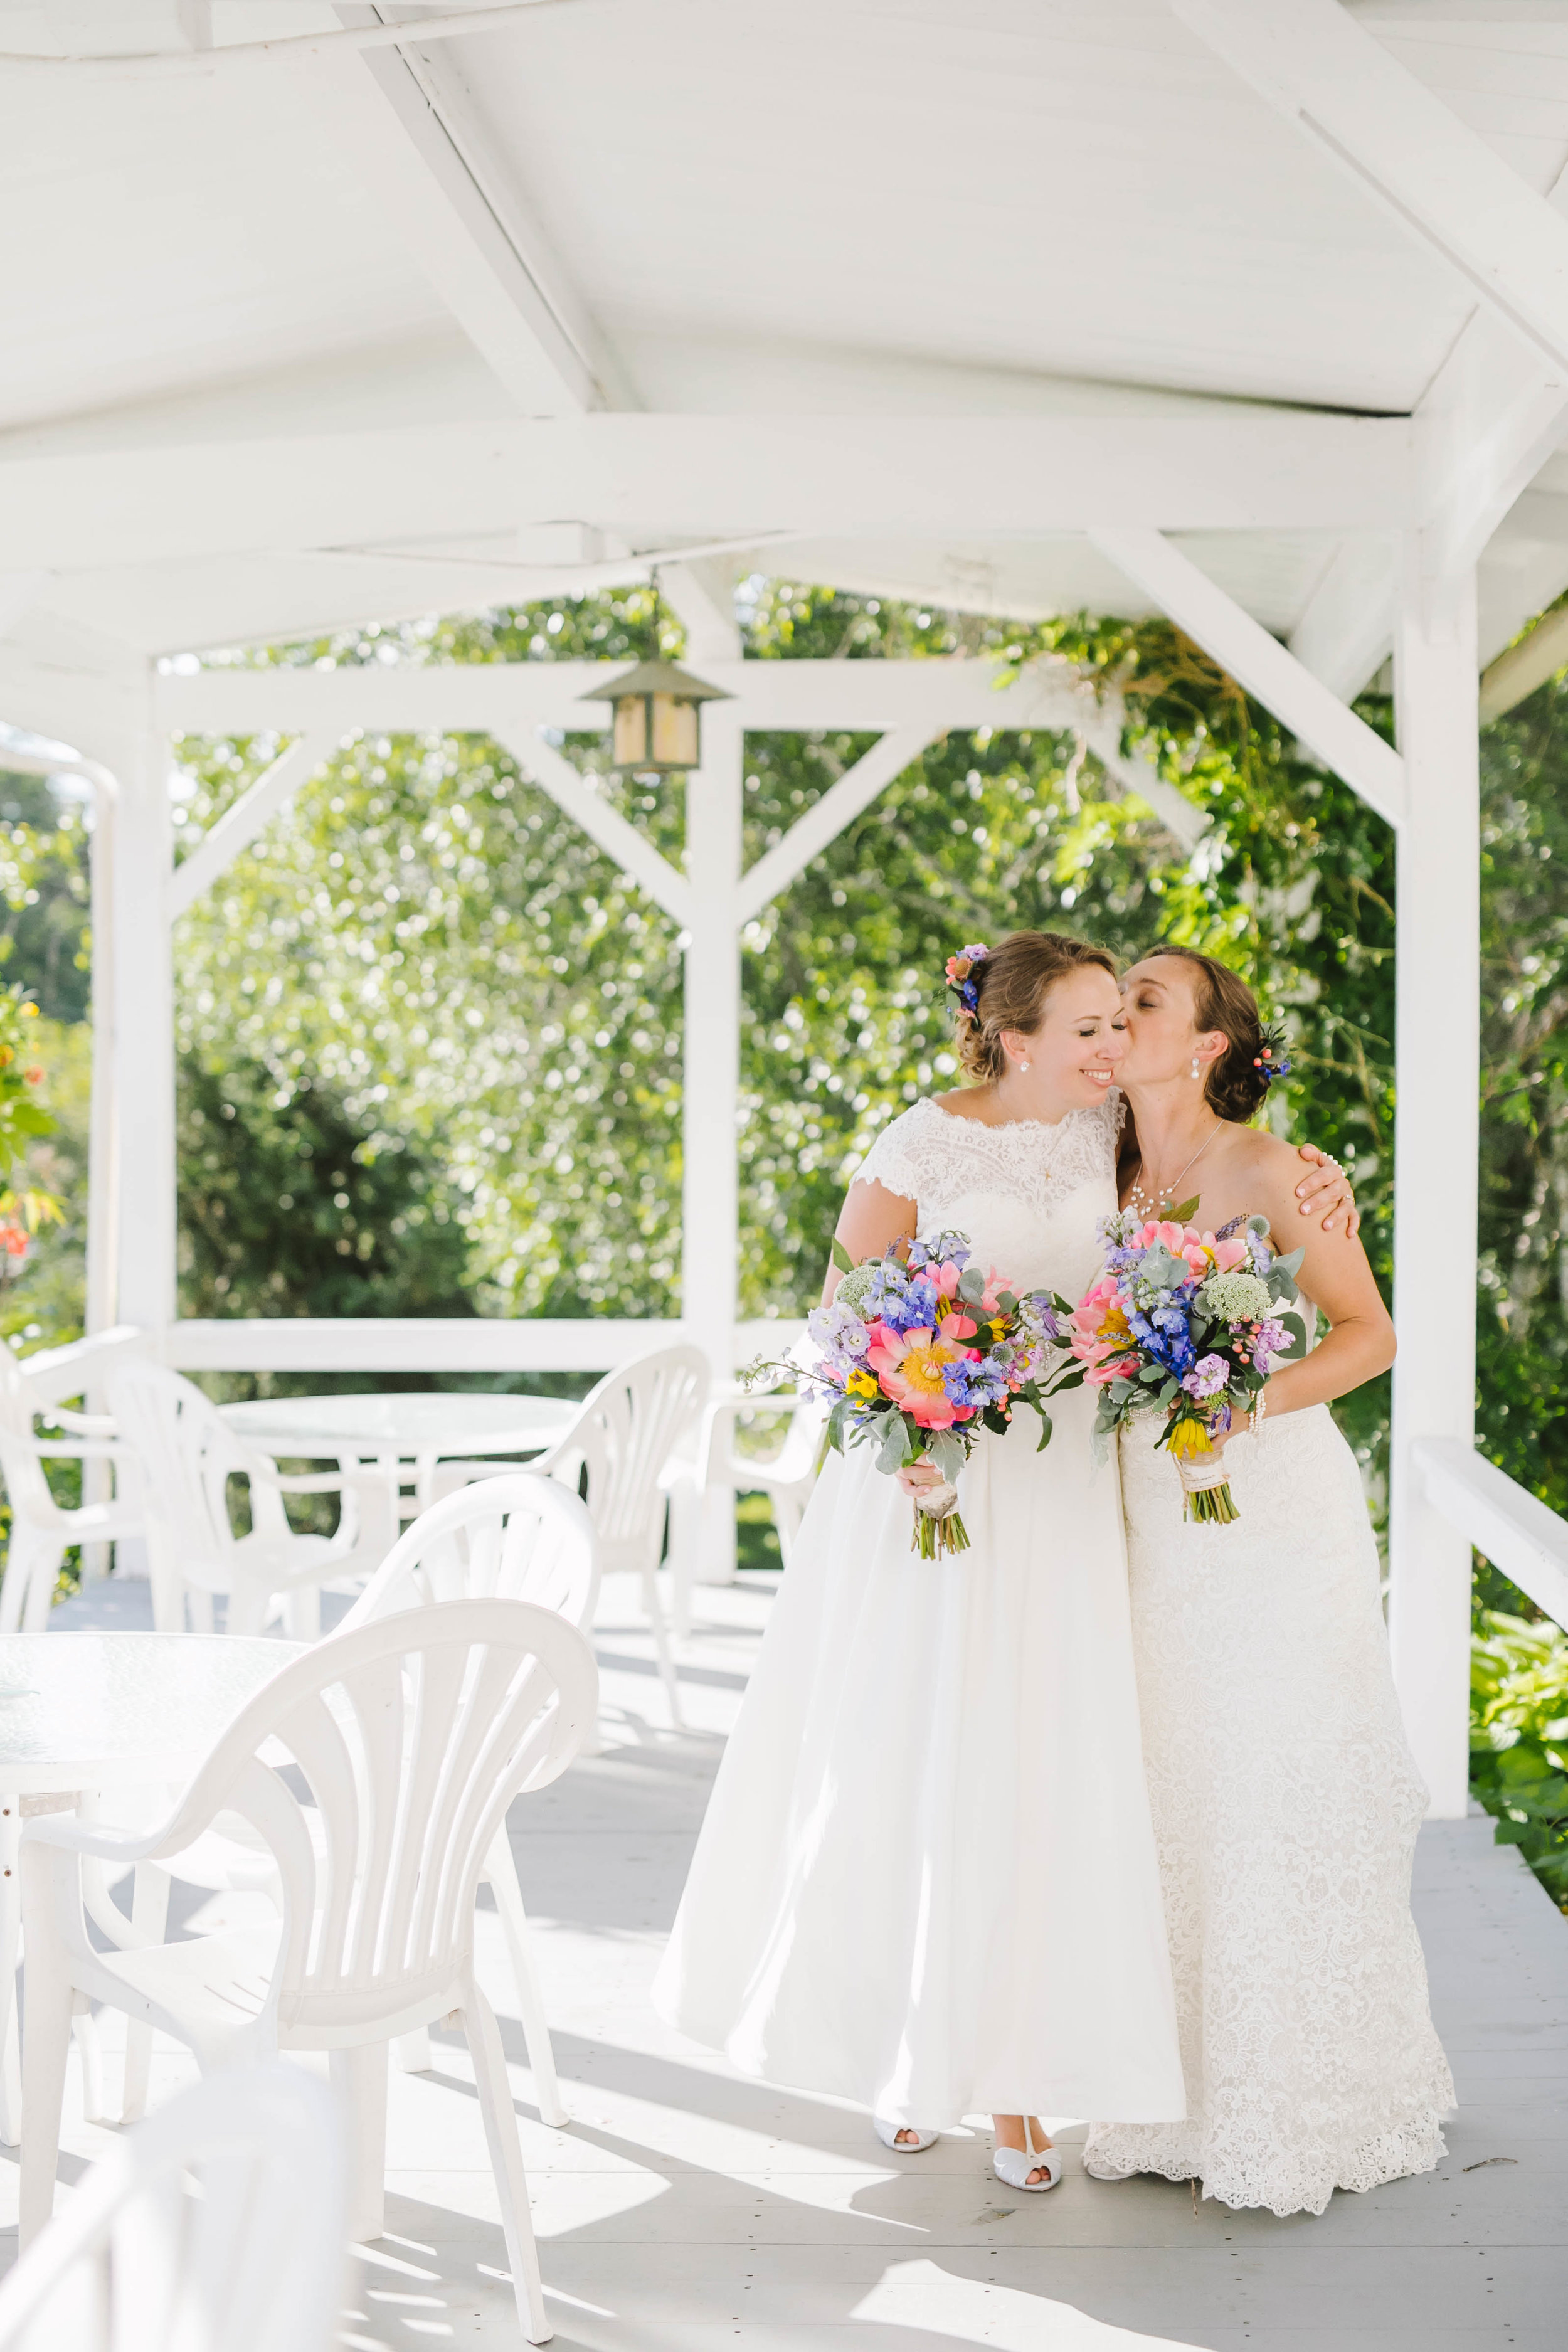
x,y
102,1169
709,1190
711,1079
143,1014
1436,1142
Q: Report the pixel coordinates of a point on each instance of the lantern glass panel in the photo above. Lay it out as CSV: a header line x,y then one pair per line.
x,y
631,731
674,732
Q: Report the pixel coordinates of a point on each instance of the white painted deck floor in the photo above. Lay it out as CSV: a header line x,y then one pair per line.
x,y
686,2207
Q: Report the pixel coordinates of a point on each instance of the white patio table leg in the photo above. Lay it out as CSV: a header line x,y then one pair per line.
x,y
10,1936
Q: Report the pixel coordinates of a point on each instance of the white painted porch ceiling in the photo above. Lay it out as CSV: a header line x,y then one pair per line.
x,y
240,398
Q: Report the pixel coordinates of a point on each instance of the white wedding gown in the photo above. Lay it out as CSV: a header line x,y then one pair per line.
x,y
1286,1806
927,1879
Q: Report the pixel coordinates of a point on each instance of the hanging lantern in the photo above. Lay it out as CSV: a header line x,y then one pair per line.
x,y
657,729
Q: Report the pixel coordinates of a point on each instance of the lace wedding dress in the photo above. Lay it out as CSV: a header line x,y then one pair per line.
x,y
1286,1806
927,1879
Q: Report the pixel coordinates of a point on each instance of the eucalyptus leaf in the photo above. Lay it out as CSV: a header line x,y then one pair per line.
x,y
945,1453
1289,1266
1298,1331
894,1449
972,1286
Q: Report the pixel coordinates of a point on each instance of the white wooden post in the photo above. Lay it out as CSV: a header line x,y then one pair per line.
x,y
1436,1142
102,1177
143,1016
711,1079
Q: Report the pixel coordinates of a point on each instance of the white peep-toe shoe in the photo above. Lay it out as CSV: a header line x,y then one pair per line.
x,y
889,2135
1013,2166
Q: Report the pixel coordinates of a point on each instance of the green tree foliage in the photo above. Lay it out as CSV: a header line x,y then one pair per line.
x,y
1522,1330
287,1206
1518,1738
44,884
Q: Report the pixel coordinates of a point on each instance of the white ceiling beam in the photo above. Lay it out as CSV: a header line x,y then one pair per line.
x,y
701,596
651,479
1498,406
1346,628
511,699
1260,663
239,825
393,119
827,818
572,793
1329,76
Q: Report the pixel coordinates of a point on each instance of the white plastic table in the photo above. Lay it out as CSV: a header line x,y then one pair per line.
x,y
417,1426
82,1714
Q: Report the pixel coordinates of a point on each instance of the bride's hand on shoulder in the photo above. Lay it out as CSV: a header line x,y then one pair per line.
x,y
1324,1192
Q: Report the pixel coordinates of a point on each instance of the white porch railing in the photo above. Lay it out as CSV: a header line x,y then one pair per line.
x,y
1518,1532
288,1343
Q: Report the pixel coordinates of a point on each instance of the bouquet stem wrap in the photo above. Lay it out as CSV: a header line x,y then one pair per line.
x,y
1206,1489
938,1529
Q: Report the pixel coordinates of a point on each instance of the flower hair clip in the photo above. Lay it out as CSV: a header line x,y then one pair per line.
x,y
963,976
1271,1057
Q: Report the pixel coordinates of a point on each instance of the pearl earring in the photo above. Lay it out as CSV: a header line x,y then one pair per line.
x,y
1023,1065
1195,1066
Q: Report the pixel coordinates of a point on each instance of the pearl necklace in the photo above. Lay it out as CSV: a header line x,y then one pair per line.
x,y
1140,1204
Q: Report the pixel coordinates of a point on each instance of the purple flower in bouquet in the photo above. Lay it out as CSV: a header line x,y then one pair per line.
x,y
840,1334
1208,1377
1271,1338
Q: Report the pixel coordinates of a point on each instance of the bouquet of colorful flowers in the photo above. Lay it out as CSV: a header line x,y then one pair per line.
x,y
1189,1325
920,1352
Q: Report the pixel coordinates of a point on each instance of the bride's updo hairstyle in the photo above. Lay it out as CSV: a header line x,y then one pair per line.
x,y
1234,1085
1007,987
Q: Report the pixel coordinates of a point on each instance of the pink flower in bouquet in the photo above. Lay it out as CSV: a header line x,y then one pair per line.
x,y
955,1323
1228,1253
912,1367
1159,1229
1099,1322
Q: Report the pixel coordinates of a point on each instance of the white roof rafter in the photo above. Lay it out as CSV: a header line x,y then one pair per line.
x,y
406,124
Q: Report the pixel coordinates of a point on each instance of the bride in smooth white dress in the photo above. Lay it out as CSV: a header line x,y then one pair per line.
x,y
927,1879
1286,1799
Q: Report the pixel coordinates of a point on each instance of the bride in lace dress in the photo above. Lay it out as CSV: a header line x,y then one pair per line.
x,y
927,1880
1285,1796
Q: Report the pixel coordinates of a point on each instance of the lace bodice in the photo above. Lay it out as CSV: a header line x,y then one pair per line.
x,y
1028,1194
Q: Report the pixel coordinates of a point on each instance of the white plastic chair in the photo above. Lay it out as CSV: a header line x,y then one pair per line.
x,y
517,1538
786,1479
720,1469
188,1453
514,1538
43,1531
625,1435
253,2262
414,1735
